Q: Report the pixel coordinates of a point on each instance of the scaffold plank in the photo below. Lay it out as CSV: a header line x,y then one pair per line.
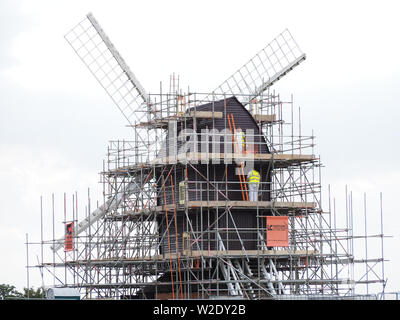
x,y
163,122
205,114
253,204
198,156
261,205
265,118
275,253
278,160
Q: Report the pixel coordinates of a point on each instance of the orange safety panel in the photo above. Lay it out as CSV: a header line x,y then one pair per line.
x,y
277,231
69,236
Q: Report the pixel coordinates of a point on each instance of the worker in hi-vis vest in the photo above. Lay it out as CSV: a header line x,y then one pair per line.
x,y
240,141
253,180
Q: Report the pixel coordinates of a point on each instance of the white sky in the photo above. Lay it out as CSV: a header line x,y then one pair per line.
x,y
56,121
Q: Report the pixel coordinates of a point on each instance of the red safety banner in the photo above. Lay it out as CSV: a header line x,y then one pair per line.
x,y
278,231
69,236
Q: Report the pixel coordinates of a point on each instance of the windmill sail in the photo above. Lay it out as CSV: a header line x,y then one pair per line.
x,y
97,52
270,64
99,213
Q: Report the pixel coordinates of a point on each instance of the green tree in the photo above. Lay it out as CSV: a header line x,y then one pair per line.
x,y
7,291
38,293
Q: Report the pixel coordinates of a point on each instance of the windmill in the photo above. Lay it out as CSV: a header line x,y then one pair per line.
x,y
100,56
97,52
184,229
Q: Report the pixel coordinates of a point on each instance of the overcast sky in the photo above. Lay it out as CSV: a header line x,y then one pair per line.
x,y
56,121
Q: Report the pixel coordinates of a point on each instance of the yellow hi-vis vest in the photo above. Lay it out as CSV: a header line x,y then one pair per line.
x,y
240,138
254,177
243,139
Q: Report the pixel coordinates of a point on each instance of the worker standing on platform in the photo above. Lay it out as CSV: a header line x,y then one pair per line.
x,y
253,179
240,140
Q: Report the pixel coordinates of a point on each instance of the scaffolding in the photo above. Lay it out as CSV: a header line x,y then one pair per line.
x,y
176,219
131,246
